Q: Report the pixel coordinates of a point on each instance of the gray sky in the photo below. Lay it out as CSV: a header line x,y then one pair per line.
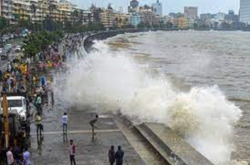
x,y
212,6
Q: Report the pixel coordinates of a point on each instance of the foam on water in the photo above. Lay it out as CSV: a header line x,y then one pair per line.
x,y
112,81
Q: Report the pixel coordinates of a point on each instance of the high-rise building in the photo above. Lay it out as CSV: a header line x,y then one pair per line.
x,y
245,11
157,7
231,16
134,4
191,12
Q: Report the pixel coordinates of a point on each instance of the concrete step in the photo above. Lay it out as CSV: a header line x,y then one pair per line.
x,y
171,146
151,140
144,149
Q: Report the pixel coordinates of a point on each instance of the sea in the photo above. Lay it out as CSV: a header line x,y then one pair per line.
x,y
195,82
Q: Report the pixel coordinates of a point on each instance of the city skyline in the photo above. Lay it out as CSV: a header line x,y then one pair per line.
x,y
205,6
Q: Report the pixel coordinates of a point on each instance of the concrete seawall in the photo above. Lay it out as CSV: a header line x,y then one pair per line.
x,y
89,41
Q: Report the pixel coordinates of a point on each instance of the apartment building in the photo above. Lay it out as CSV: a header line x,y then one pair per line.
x,y
108,18
36,10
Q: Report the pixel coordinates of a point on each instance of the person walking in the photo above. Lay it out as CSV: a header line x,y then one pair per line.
x,y
64,121
119,156
111,155
38,124
26,156
27,128
72,152
39,103
10,157
92,124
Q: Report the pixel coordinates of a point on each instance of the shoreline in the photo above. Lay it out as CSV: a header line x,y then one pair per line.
x,y
89,41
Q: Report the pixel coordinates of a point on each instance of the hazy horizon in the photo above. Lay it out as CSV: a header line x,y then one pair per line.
x,y
205,6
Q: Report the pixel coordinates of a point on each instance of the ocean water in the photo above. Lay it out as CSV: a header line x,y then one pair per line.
x,y
197,83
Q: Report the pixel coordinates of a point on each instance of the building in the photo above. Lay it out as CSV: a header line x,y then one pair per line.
x,y
206,16
53,11
220,16
86,16
147,15
157,8
133,7
135,19
108,18
65,9
231,16
176,15
191,12
7,10
96,14
180,22
36,10
122,20
166,19
245,11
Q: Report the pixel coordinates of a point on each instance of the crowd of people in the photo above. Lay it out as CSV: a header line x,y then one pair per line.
x,y
28,76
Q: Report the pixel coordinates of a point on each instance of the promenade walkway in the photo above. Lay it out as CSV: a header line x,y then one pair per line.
x,y
54,151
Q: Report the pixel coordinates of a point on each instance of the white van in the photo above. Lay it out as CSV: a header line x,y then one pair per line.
x,y
17,104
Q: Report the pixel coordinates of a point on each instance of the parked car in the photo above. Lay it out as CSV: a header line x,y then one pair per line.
x,y
18,104
17,48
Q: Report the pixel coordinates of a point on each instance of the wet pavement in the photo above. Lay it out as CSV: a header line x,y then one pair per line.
x,y
89,151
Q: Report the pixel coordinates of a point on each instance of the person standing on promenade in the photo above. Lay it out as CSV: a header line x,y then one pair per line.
x,y
111,155
27,128
92,124
38,125
10,157
38,103
72,152
119,156
64,121
26,156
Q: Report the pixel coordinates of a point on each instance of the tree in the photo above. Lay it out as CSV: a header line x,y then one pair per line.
x,y
24,23
3,23
143,25
38,42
